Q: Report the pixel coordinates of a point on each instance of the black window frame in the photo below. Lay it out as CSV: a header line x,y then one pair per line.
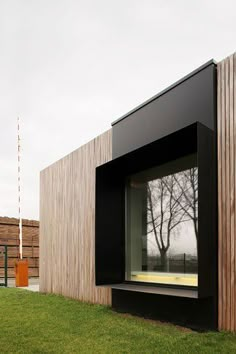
x,y
154,284
110,204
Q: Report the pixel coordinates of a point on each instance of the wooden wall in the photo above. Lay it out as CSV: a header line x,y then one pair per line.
x,y
67,211
67,223
226,121
9,235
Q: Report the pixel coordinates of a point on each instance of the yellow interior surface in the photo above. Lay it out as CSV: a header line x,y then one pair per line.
x,y
165,278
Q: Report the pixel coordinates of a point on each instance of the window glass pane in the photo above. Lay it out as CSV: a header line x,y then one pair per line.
x,y
162,224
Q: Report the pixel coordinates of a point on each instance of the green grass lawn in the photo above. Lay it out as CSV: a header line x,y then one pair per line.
x,y
36,323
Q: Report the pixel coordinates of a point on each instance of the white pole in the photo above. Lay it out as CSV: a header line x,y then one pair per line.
x,y
19,186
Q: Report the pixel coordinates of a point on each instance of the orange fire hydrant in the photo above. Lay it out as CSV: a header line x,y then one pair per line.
x,y
21,272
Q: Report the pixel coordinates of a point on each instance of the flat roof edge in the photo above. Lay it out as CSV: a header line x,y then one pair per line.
x,y
186,77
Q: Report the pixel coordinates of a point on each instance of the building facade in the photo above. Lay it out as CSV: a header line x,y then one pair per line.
x,y
142,217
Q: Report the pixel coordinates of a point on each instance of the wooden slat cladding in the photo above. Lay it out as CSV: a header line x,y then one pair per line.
x,y
9,233
33,272
226,124
28,252
67,223
32,262
15,221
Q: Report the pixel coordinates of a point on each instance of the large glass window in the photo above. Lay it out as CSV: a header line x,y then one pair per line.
x,y
162,224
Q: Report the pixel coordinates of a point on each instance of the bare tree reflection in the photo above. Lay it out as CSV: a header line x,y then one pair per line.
x,y
187,182
172,200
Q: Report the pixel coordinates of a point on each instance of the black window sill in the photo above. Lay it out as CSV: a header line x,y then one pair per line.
x,y
190,293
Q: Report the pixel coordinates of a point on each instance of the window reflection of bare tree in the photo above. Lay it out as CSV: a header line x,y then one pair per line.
x,y
172,200
187,182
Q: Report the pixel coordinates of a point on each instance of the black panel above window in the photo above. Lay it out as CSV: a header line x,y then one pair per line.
x,y
190,100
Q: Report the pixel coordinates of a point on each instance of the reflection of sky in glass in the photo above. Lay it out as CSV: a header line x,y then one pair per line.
x,y
182,241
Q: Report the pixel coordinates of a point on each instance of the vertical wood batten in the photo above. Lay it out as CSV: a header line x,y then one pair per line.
x,y
67,230
228,216
232,196
234,135
226,124
224,244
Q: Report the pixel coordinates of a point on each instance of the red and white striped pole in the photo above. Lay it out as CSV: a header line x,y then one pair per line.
x,y
19,186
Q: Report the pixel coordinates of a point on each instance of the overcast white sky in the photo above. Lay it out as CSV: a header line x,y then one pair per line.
x,y
70,67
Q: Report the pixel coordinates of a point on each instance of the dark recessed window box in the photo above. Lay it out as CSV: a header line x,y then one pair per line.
x,y
155,217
